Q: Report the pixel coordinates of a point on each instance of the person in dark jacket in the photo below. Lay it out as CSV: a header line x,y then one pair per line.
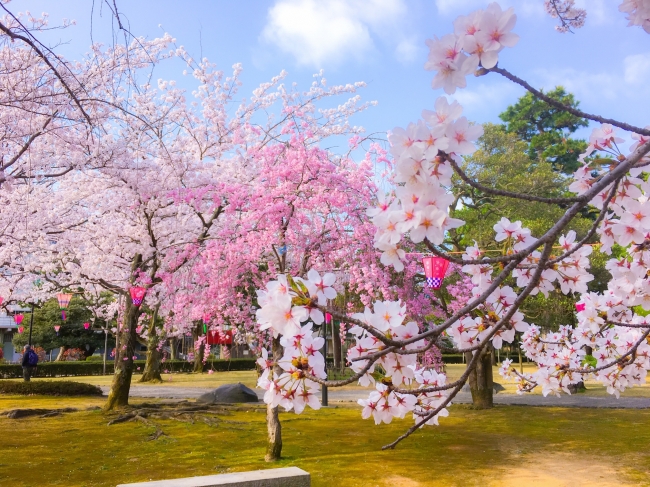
x,y
28,365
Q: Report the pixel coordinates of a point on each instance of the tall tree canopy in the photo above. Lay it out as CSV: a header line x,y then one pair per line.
x,y
547,129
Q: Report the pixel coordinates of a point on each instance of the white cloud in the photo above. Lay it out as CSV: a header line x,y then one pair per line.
x,y
637,68
319,32
408,50
586,86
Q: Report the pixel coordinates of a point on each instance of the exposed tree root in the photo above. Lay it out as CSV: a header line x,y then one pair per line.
x,y
184,412
43,413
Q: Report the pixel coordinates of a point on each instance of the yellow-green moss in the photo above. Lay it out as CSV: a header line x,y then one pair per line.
x,y
334,445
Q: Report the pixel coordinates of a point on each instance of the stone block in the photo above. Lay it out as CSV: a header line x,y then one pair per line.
x,y
275,477
229,393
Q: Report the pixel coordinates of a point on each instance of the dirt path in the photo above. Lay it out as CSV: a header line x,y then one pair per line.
x,y
577,400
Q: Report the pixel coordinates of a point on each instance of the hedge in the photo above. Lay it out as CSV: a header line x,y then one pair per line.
x,y
452,358
62,388
80,368
72,369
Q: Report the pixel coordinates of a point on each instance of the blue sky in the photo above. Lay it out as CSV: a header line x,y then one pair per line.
x,y
605,64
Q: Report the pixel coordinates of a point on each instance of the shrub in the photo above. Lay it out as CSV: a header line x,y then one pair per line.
x,y
62,388
98,358
73,355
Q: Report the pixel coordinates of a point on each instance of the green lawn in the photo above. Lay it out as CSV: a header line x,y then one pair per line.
x,y
505,446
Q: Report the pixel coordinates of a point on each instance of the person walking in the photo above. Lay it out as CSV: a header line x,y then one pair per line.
x,y
30,361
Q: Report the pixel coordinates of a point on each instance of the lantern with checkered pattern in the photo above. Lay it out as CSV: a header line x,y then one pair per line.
x,y
435,269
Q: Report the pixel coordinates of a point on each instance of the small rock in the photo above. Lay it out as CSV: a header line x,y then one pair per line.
x,y
229,393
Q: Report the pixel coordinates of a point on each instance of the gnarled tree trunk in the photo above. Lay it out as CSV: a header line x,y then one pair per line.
x,y
121,385
274,446
480,379
151,371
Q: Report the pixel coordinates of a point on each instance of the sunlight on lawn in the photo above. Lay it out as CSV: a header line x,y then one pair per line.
x,y
503,446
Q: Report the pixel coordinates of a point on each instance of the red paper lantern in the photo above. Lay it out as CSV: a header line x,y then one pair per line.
x,y
137,295
86,325
435,269
21,329
580,307
57,328
328,318
19,319
213,337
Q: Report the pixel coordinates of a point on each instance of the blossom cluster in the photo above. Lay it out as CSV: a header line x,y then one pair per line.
x,y
292,388
421,204
288,302
638,13
569,15
477,39
392,372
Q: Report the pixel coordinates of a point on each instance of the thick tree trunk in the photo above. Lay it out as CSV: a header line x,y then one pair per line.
x,y
173,347
121,385
60,356
273,426
198,354
480,380
151,371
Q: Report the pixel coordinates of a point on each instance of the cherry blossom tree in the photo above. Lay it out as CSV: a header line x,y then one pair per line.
x,y
610,341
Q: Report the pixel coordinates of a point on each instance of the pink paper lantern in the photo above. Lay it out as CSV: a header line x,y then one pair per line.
x,y
137,295
1,300
206,318
328,318
57,328
580,307
64,300
435,269
86,325
19,319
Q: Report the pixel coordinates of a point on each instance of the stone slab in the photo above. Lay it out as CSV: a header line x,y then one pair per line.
x,y
275,477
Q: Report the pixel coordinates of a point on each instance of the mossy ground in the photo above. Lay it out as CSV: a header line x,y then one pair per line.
x,y
503,446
